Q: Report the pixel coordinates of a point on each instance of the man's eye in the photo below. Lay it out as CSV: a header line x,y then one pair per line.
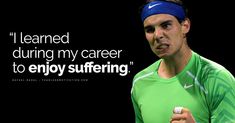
x,y
150,30
166,25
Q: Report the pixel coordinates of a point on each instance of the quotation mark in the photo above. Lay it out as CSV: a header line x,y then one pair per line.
x,y
131,63
13,34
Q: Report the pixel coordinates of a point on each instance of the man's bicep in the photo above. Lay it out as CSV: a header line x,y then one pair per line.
x,y
225,111
138,117
222,106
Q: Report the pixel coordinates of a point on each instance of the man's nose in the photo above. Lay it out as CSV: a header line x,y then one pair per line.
x,y
158,34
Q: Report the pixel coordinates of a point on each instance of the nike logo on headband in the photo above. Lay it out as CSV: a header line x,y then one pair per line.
x,y
151,6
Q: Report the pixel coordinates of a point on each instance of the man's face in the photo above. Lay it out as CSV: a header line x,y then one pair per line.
x,y
165,34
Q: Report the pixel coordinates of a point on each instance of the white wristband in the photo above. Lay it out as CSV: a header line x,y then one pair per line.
x,y
178,110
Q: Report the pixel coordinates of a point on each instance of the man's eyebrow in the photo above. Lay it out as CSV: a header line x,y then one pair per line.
x,y
166,22
161,23
147,27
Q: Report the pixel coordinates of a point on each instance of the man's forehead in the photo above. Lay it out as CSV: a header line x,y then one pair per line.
x,y
158,19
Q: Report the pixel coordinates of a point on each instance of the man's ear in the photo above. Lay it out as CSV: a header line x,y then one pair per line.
x,y
185,25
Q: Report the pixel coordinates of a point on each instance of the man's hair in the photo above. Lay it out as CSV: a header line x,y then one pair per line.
x,y
179,2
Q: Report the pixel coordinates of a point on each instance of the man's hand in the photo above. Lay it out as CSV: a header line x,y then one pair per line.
x,y
182,115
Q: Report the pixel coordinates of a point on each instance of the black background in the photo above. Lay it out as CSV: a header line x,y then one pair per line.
x,y
100,25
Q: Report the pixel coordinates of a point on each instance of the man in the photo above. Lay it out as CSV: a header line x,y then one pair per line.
x,y
182,86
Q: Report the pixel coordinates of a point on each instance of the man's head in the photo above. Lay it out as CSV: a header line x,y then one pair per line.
x,y
166,26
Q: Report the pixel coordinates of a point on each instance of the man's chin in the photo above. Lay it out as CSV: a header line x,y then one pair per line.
x,y
164,55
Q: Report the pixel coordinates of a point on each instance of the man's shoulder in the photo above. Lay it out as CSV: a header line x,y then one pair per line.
x,y
144,75
210,66
212,70
147,71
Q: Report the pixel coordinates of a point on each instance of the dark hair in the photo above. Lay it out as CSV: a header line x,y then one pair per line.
x,y
179,2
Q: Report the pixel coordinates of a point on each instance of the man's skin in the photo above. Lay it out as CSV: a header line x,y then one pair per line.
x,y
167,39
184,117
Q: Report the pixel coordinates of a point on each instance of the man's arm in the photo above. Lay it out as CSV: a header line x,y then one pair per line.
x,y
138,117
221,97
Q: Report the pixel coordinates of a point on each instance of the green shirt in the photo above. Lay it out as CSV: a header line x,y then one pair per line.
x,y
206,88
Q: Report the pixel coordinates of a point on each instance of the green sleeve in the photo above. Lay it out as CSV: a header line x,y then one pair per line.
x,y
221,97
138,117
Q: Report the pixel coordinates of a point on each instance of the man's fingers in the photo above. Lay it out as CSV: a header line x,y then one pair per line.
x,y
177,122
178,117
182,115
179,113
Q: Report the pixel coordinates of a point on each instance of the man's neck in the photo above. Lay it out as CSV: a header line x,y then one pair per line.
x,y
171,66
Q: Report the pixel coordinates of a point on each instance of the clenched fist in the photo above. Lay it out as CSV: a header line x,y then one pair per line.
x,y
182,115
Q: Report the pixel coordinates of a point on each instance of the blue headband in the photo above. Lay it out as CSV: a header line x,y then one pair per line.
x,y
162,7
